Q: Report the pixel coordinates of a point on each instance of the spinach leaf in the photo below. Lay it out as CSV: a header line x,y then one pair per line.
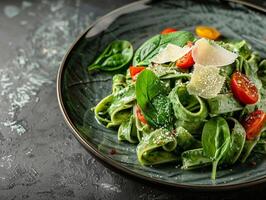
x,y
237,141
215,141
152,46
152,98
194,158
116,55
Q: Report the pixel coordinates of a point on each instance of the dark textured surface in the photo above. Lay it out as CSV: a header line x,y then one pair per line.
x,y
39,157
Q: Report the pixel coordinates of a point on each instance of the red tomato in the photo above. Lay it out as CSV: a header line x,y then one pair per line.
x,y
243,89
140,116
186,61
168,30
134,71
253,124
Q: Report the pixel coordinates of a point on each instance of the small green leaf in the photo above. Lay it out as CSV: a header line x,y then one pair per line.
x,y
152,46
152,98
215,140
116,55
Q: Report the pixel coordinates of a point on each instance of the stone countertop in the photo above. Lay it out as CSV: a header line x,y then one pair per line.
x,y
39,156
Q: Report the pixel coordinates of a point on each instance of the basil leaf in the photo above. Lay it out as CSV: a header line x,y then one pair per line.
x,y
117,55
215,141
152,98
152,46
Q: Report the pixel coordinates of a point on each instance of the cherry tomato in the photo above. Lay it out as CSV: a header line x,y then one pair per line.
x,y
168,30
208,32
187,60
253,124
243,89
134,71
140,116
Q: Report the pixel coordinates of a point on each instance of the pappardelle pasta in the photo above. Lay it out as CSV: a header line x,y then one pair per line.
x,y
186,98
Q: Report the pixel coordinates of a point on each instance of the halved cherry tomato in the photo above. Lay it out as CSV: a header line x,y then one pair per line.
x,y
168,30
187,60
253,124
208,32
134,71
140,116
244,89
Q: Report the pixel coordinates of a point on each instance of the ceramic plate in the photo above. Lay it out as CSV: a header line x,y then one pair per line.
x,y
78,91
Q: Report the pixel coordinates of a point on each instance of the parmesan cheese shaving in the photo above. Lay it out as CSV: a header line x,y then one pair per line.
x,y
205,81
170,53
211,54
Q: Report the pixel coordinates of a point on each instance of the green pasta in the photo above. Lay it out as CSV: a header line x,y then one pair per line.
x,y
190,111
154,106
194,158
157,147
128,131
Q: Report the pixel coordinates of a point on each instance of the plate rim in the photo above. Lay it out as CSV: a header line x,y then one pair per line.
x,y
109,161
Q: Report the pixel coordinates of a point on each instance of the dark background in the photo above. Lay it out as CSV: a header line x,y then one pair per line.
x,y
39,157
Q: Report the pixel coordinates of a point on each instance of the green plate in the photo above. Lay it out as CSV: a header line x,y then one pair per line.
x,y
78,91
